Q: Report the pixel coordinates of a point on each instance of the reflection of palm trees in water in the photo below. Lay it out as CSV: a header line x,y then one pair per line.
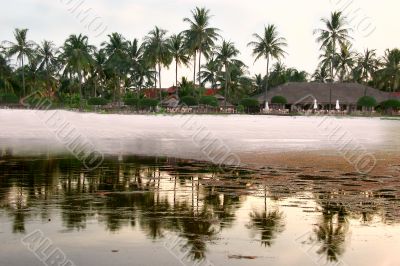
x,y
268,223
331,232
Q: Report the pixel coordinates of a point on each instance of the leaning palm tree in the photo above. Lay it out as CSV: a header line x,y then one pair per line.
x,y
179,52
76,55
334,34
269,46
200,36
156,50
22,48
226,54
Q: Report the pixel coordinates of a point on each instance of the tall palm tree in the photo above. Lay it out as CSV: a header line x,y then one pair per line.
x,y
179,52
157,51
334,33
117,63
269,46
47,56
226,54
77,57
98,69
22,48
200,36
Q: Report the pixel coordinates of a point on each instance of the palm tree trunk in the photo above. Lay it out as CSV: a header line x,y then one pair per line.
x,y
267,81
226,85
176,76
23,77
194,67
199,65
159,79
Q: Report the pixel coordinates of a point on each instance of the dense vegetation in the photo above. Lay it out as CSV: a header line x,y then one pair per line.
x,y
78,72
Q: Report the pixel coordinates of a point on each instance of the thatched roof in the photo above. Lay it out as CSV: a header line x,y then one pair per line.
x,y
346,93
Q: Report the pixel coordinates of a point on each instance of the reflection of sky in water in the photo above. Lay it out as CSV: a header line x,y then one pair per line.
x,y
92,214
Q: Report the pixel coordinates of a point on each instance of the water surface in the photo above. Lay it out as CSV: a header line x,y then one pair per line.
x,y
163,211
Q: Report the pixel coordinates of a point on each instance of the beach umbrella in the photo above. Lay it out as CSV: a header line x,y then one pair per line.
x,y
266,106
315,104
337,105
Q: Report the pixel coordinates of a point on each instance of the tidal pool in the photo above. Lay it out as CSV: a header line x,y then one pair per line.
x,y
164,211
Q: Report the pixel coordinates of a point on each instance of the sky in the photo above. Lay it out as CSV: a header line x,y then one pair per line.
x,y
375,24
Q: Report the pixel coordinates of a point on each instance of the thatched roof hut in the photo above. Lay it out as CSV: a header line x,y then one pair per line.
x,y
324,93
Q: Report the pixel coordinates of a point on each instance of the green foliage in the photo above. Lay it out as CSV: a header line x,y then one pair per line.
x,y
240,109
148,103
249,103
189,101
9,98
279,100
131,101
391,104
72,101
367,101
97,101
209,100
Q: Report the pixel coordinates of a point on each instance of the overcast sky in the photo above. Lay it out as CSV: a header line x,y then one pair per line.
x,y
375,23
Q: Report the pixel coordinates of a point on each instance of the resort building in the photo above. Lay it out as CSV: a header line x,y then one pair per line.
x,y
325,96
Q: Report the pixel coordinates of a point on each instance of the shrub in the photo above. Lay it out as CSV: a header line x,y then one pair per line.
x,y
279,100
240,109
97,101
209,100
367,101
390,104
9,98
131,101
250,103
189,101
148,103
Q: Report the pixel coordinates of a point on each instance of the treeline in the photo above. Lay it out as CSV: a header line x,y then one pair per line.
x,y
120,68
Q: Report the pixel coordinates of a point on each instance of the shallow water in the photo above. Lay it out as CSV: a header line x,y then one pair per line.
x,y
164,211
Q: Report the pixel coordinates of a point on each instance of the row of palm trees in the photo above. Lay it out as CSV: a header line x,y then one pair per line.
x,y
339,62
121,65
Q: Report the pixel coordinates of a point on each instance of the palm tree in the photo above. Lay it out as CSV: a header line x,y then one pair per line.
x,y
22,48
179,52
367,65
5,74
321,75
335,32
47,56
269,46
200,37
98,69
345,61
77,57
117,63
209,72
389,75
157,51
226,54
